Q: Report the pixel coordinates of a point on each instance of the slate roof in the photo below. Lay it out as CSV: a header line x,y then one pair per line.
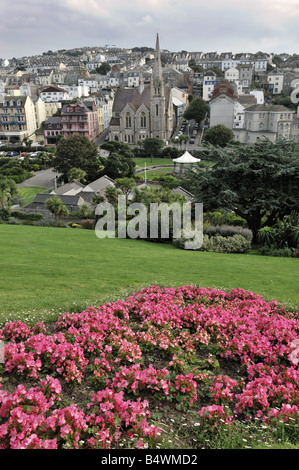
x,y
98,185
131,96
67,200
69,189
270,107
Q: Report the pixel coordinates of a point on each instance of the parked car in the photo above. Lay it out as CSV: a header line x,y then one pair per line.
x,y
12,154
192,140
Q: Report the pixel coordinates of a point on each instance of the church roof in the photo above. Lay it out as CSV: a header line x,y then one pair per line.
x,y
131,96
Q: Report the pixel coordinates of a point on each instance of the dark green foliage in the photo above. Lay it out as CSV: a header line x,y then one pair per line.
x,y
219,135
196,110
76,152
32,216
120,162
118,166
259,183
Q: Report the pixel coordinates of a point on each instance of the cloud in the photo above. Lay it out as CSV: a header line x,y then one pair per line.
x,y
147,19
33,26
89,7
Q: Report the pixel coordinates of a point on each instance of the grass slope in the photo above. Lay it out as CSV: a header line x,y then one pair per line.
x,y
28,193
46,271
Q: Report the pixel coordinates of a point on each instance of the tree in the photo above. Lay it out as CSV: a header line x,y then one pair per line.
x,y
183,138
76,174
118,147
76,152
103,69
125,185
56,207
112,194
219,135
120,162
196,110
8,189
152,145
158,195
118,166
257,182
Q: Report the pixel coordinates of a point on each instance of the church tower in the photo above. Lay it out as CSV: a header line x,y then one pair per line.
x,y
158,98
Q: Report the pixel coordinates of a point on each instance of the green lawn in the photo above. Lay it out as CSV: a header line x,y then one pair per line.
x,y
158,172
28,193
46,271
156,161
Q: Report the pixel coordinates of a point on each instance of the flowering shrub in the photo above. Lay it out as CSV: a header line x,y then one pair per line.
x,y
232,351
215,416
108,413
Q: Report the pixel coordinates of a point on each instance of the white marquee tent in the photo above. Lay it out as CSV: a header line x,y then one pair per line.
x,y
186,158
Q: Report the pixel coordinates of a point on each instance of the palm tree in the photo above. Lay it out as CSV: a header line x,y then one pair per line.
x,y
56,207
8,189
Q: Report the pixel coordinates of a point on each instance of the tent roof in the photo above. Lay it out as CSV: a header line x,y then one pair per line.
x,y
186,158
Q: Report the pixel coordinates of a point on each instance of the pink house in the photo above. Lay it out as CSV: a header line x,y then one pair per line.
x,y
80,118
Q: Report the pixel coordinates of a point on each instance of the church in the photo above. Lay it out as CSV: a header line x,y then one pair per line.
x,y
143,112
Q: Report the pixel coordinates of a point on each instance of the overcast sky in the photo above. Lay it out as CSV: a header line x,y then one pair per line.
x,y
29,27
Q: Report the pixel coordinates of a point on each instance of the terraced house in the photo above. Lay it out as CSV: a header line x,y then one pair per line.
x,y
80,118
17,118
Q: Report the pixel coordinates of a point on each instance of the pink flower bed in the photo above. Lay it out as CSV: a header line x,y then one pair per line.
x,y
191,331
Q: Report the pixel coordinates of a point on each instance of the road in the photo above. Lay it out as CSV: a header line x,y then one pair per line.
x,y
43,179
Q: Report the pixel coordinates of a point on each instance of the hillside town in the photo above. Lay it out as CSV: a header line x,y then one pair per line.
x,y
116,93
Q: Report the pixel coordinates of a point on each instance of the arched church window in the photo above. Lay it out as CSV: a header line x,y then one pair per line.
x,y
142,120
128,120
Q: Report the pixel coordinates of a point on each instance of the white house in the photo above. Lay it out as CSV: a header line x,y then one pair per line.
x,y
270,121
209,81
222,109
76,91
259,95
54,94
232,74
275,81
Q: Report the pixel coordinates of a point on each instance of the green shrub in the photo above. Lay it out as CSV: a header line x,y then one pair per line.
x,y
219,244
49,223
88,224
30,216
274,251
228,244
13,221
223,218
266,235
228,231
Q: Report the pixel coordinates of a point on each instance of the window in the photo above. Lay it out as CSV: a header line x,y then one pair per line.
x,y
157,110
128,120
143,120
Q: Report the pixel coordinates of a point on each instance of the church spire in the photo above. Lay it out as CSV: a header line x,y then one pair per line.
x,y
157,70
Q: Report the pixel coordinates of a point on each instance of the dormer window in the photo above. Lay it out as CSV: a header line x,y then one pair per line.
x,y
11,103
19,103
